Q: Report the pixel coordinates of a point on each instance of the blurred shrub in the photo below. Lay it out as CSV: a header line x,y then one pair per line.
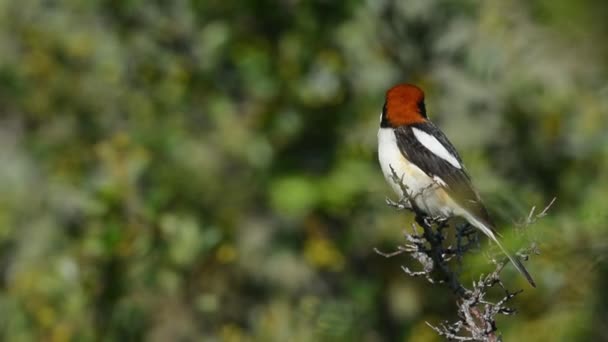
x,y
205,170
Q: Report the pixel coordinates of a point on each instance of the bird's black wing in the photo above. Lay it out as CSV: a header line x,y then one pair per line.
x,y
457,181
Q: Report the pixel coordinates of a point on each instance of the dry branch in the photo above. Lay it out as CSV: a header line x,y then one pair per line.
x,y
440,263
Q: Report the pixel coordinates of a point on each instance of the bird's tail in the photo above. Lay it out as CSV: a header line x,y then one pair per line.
x,y
487,229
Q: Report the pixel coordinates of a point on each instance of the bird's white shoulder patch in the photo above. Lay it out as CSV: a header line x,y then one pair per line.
x,y
435,146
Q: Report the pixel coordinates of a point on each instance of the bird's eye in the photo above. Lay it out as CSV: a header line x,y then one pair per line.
x,y
383,118
383,113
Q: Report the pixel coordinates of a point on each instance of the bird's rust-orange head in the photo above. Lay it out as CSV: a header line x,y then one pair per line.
x,y
404,106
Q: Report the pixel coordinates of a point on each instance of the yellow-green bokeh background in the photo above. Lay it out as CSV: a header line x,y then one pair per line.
x,y
206,170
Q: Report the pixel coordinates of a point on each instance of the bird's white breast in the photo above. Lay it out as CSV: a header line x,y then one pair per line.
x,y
432,198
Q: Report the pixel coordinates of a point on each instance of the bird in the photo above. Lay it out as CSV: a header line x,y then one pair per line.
x,y
416,157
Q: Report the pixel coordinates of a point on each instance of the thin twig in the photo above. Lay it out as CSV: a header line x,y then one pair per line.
x,y
432,251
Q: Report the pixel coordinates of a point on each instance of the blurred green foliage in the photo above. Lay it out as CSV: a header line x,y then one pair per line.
x,y
205,170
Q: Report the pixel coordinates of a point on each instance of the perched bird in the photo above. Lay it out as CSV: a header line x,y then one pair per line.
x,y
425,161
